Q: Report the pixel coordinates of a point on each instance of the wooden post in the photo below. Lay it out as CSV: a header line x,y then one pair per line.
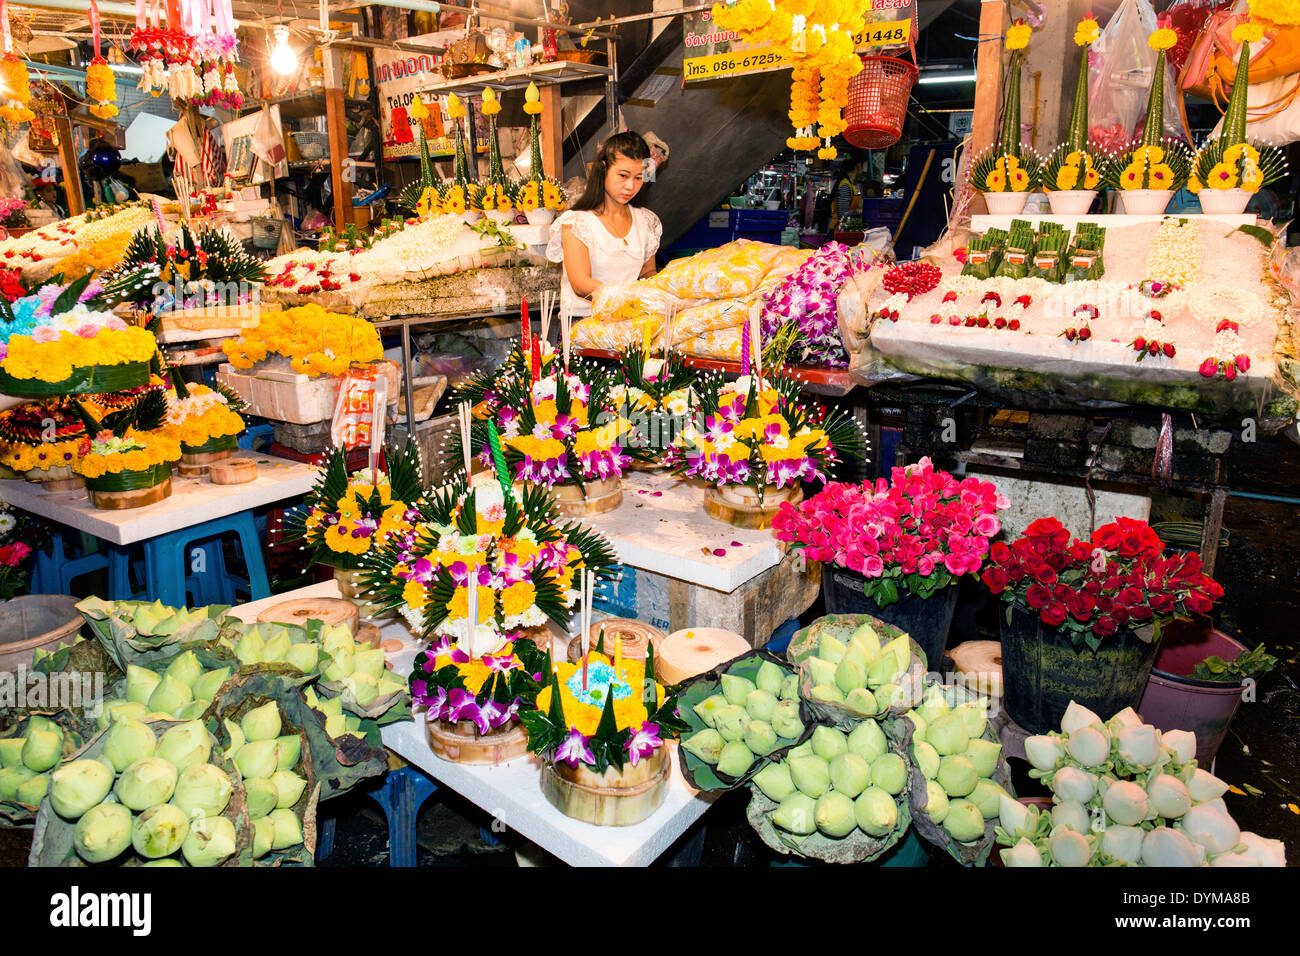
x,y
341,171
68,160
988,76
552,131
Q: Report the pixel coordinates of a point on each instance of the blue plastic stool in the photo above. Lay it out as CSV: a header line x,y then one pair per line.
x,y
780,640
257,436
66,561
401,795
325,836
167,559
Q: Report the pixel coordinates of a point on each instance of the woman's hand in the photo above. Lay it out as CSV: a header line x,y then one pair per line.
x,y
647,270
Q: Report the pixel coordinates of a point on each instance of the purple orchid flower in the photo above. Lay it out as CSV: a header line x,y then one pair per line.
x,y
435,703
643,742
419,689
487,716
565,427
502,663
574,749
462,706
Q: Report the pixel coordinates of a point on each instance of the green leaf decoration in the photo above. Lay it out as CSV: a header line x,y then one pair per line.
x,y
1265,236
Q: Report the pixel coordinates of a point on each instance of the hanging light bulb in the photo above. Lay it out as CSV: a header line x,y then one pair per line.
x,y
283,58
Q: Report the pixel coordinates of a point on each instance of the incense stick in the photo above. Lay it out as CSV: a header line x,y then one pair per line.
x,y
565,330
548,309
471,605
465,442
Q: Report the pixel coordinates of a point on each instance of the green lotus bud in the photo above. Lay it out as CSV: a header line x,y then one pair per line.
x,y
1165,846
890,695
1123,843
936,802
889,773
855,655
760,738
884,670
770,677
261,723
290,751
389,685
926,758
786,720
336,726
146,783
1072,815
370,662
736,689
867,740
1071,783
933,706
1023,853
875,812
901,650
1089,746
1070,848
128,741
203,791
866,640
275,649
170,696
249,648
140,683
185,668
43,750
364,688
77,786
828,693
1211,828
833,814
120,710
735,759
1076,716
707,744
1015,816
822,672
262,796
102,833
210,842
803,750
760,704
831,649
987,795
159,831
957,775
207,686
236,739
1168,796
1203,786
849,676
11,752
194,710
984,755
964,822
258,758
1043,751
263,836
11,778
1125,802
861,701
304,656
790,688
919,723
731,721
828,743
774,780
812,775
33,791
947,734
288,829
850,774
185,745
973,718
796,814
1181,743
336,636
708,708
289,786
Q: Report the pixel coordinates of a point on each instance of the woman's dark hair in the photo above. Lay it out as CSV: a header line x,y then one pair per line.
x,y
627,144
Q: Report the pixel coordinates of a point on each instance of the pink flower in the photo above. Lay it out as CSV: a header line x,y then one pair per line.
x,y
43,333
987,525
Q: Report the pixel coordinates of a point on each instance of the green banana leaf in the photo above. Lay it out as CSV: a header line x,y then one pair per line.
x,y
13,813
82,659
701,775
388,709
110,620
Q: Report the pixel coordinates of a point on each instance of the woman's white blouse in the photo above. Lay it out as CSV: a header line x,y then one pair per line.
x,y
612,259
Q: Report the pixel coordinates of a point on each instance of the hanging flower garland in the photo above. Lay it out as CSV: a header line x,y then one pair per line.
x,y
101,88
18,93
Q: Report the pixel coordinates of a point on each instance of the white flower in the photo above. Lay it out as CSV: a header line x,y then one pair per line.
x,y
7,523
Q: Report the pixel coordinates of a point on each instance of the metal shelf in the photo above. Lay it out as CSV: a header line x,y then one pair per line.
x,y
300,105
543,74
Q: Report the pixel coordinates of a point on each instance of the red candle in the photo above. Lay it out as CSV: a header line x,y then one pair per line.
x,y
526,329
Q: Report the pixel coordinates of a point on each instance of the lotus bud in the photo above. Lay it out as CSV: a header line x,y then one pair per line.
x,y
731,721
1139,746
974,714
170,696
1071,814
1234,859
831,649
77,786
146,783
1070,848
1089,746
1123,843
33,791
770,677
1044,752
1015,817
900,649
1202,786
202,791
1164,846
1211,828
735,759
11,752
364,688
185,745
236,739
210,842
206,687
185,668
918,723
102,833
194,710
883,671
934,705
258,758
790,688
875,812
987,796
957,775
1023,853
304,656
822,672
370,662
812,775
866,640
707,744
261,796
850,774
834,814
261,723
936,802
964,822
277,646
849,676
1169,796
760,704
1076,716
708,708
947,734
1071,783
389,686
1125,802
867,740
828,742
249,648
1127,717
43,750
736,689
341,666
984,755
159,831
11,779
890,695
120,710
828,693
140,683
263,836
926,758
336,726
290,751
786,721
889,773
1181,743
1267,852
796,814
128,741
774,780
336,636
1217,804
759,737
856,655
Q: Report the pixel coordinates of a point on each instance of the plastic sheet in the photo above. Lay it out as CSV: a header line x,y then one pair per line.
x,y
1120,70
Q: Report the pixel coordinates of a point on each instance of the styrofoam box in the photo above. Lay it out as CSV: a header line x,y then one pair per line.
x,y
284,396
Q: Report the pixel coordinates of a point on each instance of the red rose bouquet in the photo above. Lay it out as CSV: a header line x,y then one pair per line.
x,y
1121,578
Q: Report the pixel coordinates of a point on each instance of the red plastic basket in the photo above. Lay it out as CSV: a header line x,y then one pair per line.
x,y
878,102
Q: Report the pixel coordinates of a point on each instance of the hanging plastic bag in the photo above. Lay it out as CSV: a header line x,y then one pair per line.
x,y
359,411
1120,70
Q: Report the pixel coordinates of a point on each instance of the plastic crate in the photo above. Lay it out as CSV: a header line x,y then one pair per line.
x,y
311,144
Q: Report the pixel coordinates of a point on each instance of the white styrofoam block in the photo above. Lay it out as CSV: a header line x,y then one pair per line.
x,y
284,396
1066,500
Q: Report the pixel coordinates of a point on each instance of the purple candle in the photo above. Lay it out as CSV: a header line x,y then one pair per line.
x,y
744,346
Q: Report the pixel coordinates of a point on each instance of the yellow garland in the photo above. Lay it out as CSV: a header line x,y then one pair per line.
x,y
159,447
101,89
315,341
57,360
17,90
96,257
1087,32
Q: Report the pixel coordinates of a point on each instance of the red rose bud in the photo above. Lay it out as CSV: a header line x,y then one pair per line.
x,y
1209,368
1153,348
1070,334
1229,371
1139,344
982,321
970,321
999,323
1243,363
936,319
954,320
1169,349
1023,301
1014,325
950,296
1085,333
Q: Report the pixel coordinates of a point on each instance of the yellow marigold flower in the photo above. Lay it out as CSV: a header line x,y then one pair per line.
x,y
1248,31
1018,35
1222,176
995,182
1162,176
1086,32
518,598
1162,39
1067,177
